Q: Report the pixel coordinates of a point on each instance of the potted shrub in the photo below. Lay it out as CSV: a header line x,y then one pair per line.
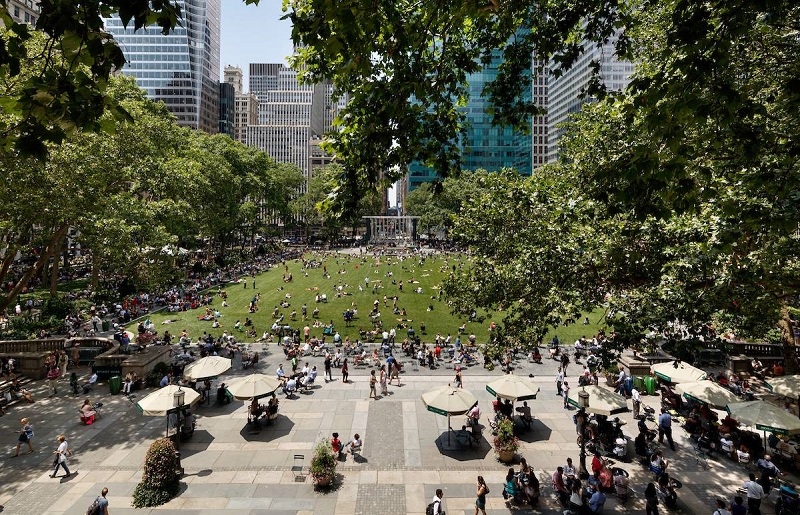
x,y
323,464
505,443
161,475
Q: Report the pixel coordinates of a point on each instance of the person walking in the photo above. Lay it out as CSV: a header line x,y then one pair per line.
x,y
721,509
566,394
651,500
755,492
101,503
383,381
436,503
559,381
344,371
637,403
564,362
328,369
394,372
372,381
459,382
665,428
61,456
482,490
25,436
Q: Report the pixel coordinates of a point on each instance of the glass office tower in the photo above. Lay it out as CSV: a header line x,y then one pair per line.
x,y
180,69
483,146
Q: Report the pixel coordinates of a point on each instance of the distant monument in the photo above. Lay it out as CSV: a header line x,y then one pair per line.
x,y
400,231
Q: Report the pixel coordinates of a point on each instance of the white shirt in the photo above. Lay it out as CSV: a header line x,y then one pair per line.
x,y
62,451
437,505
754,490
281,373
635,395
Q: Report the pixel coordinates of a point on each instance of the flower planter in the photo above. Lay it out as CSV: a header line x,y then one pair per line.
x,y
506,456
323,482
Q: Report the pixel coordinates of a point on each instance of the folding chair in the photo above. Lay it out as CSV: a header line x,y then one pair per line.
x,y
298,467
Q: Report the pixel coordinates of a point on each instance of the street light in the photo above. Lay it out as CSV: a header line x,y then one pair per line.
x,y
583,402
178,398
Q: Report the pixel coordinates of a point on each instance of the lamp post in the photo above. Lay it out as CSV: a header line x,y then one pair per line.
x,y
178,398
583,402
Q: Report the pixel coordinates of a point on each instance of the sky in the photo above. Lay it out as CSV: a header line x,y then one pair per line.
x,y
253,34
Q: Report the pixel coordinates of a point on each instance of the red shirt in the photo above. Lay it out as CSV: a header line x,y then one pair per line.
x,y
596,464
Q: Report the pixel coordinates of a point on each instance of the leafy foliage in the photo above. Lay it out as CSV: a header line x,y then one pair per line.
x,y
323,463
504,440
161,474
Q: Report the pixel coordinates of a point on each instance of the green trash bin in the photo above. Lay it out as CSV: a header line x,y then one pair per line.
x,y
115,385
106,325
638,383
650,385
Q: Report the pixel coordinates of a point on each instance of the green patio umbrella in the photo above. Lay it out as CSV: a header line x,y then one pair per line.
x,y
601,401
514,388
677,372
786,386
447,401
764,416
707,392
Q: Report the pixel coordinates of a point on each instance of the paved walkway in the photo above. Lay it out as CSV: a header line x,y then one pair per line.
x,y
230,470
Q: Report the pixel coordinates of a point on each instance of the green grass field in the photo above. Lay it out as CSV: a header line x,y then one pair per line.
x,y
347,272
350,272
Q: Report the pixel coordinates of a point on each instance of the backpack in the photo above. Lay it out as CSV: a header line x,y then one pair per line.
x,y
94,508
429,508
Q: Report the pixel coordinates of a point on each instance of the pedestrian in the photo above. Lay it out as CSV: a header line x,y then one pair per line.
x,y
61,453
383,381
328,370
395,373
755,492
559,487
25,436
63,361
738,507
372,381
100,504
559,381
482,490
344,370
651,499
637,403
566,395
564,362
435,507
458,380
721,509
665,428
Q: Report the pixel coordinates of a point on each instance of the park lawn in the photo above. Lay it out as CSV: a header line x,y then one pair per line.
x,y
428,276
569,333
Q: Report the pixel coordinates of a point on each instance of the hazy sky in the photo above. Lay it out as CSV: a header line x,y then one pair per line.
x,y
253,34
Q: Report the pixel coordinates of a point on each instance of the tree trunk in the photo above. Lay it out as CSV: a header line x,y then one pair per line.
x,y
11,251
35,269
54,267
787,338
95,273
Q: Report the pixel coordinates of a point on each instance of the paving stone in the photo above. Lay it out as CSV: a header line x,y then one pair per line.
x,y
382,499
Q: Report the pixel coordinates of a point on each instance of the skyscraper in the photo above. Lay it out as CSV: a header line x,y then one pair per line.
x,y
566,94
227,108
180,68
483,146
245,104
292,117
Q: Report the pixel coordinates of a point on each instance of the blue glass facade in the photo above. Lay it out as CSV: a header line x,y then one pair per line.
x,y
484,146
181,68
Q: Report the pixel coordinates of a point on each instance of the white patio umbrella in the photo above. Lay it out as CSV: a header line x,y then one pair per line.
x,y
203,368
677,372
161,401
601,401
764,416
786,386
514,388
707,392
447,401
253,386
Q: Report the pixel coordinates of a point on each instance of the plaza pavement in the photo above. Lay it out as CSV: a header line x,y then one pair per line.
x,y
229,470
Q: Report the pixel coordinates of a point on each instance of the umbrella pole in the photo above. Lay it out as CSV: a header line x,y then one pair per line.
x,y
448,429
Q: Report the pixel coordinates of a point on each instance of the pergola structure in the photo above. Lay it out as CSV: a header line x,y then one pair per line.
x,y
400,230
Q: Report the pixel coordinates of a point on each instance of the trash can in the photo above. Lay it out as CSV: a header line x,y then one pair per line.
x,y
106,325
115,384
638,382
650,385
